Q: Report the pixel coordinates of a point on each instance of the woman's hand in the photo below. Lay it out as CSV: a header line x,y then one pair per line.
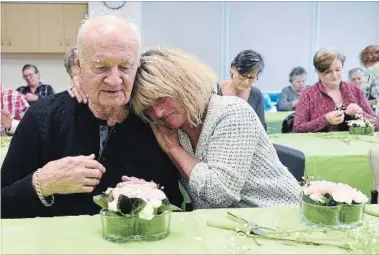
x,y
353,109
76,91
335,117
167,139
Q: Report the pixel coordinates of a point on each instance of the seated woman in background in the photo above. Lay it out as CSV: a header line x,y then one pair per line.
x,y
290,95
370,60
217,142
321,107
245,68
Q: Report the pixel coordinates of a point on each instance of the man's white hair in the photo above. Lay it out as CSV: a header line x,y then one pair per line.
x,y
106,26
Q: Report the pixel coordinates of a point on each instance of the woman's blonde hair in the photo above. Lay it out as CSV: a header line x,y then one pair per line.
x,y
166,72
324,58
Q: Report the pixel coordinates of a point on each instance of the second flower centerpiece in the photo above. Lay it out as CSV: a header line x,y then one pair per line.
x,y
360,126
332,204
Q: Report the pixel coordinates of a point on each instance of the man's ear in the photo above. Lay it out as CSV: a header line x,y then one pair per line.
x,y
77,63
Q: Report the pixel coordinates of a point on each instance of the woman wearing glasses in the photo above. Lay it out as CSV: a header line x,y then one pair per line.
x,y
245,68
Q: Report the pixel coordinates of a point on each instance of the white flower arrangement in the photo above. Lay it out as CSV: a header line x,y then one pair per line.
x,y
141,198
361,122
330,193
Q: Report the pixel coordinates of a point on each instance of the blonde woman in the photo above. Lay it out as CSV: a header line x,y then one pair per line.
x,y
217,143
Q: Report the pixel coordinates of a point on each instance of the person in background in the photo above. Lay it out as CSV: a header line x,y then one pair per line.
x,y
290,95
13,108
34,89
245,68
356,75
369,58
69,62
368,83
327,104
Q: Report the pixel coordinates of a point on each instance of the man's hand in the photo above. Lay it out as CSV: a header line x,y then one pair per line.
x,y
294,102
79,174
76,91
125,178
6,119
31,97
335,117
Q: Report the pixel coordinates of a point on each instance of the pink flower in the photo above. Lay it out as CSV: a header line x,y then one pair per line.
x,y
144,190
319,187
343,193
360,198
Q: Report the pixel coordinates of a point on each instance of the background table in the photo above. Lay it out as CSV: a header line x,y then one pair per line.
x,y
4,144
334,156
189,235
274,121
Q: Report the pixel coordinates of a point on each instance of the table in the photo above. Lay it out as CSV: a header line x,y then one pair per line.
x,y
4,144
334,156
189,235
274,121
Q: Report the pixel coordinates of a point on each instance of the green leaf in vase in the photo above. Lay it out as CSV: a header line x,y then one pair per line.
x,y
131,206
101,200
166,206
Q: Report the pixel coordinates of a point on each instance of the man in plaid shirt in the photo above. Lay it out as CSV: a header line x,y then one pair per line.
x,y
34,89
13,108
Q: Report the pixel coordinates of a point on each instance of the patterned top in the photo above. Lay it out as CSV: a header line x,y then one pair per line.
x,y
42,91
238,166
14,103
314,103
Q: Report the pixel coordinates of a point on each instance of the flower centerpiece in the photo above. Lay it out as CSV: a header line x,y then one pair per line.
x,y
327,203
360,126
135,210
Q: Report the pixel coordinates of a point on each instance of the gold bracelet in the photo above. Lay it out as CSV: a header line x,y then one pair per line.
x,y
39,193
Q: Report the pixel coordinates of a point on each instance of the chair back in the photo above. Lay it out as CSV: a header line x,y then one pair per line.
x,y
293,159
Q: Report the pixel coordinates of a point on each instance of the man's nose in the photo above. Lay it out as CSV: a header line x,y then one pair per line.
x,y
113,77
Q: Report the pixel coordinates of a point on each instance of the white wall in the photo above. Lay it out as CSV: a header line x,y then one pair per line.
x,y
217,31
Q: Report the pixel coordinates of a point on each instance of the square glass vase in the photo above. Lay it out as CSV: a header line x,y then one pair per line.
x,y
352,215
118,229
361,130
319,215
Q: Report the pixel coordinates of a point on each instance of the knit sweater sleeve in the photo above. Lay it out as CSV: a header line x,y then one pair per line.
x,y
303,122
230,150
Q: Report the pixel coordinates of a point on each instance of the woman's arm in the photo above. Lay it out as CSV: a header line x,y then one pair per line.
x,y
303,122
220,178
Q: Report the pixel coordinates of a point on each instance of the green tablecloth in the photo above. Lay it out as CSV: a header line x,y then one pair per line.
x,y
4,144
335,156
189,235
274,121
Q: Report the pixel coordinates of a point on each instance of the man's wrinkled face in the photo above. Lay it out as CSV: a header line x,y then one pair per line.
x,y
108,69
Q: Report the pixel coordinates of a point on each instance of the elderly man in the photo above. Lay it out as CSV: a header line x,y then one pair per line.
x,y
34,89
79,150
13,108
